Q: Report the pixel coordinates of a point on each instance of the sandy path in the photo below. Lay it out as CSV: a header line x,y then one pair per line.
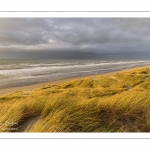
x,y
28,124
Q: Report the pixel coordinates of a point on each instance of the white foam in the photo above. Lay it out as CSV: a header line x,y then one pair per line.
x,y
51,69
44,72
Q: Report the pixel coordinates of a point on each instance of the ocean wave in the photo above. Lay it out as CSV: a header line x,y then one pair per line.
x,y
15,73
51,69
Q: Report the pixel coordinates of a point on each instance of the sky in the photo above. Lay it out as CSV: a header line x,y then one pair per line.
x,y
74,38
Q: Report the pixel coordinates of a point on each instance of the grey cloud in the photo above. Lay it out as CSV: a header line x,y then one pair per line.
x,y
96,35
74,31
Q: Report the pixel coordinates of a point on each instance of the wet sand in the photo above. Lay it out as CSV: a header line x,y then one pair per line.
x,y
28,88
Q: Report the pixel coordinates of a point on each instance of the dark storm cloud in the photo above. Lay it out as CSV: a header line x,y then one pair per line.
x,y
49,54
86,35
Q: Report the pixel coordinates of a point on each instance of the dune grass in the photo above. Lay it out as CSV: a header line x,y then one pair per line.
x,y
117,102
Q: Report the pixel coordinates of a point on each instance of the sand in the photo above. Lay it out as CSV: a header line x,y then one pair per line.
x,y
39,85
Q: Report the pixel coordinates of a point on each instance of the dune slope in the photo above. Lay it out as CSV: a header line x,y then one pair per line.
x,y
117,102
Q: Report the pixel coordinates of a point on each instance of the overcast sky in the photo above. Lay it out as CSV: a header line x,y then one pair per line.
x,y
77,38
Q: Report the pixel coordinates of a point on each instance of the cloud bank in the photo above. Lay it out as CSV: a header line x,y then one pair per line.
x,y
95,37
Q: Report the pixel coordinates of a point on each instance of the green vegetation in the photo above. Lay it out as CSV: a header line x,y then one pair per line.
x,y
117,102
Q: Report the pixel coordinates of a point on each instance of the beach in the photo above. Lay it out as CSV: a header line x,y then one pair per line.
x,y
31,87
19,73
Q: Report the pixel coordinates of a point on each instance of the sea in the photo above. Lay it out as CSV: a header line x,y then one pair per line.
x,y
15,73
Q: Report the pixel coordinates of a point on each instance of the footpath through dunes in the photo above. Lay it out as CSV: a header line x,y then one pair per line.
x,y
114,102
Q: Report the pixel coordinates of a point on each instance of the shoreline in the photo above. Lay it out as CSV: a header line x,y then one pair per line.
x,y
33,86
